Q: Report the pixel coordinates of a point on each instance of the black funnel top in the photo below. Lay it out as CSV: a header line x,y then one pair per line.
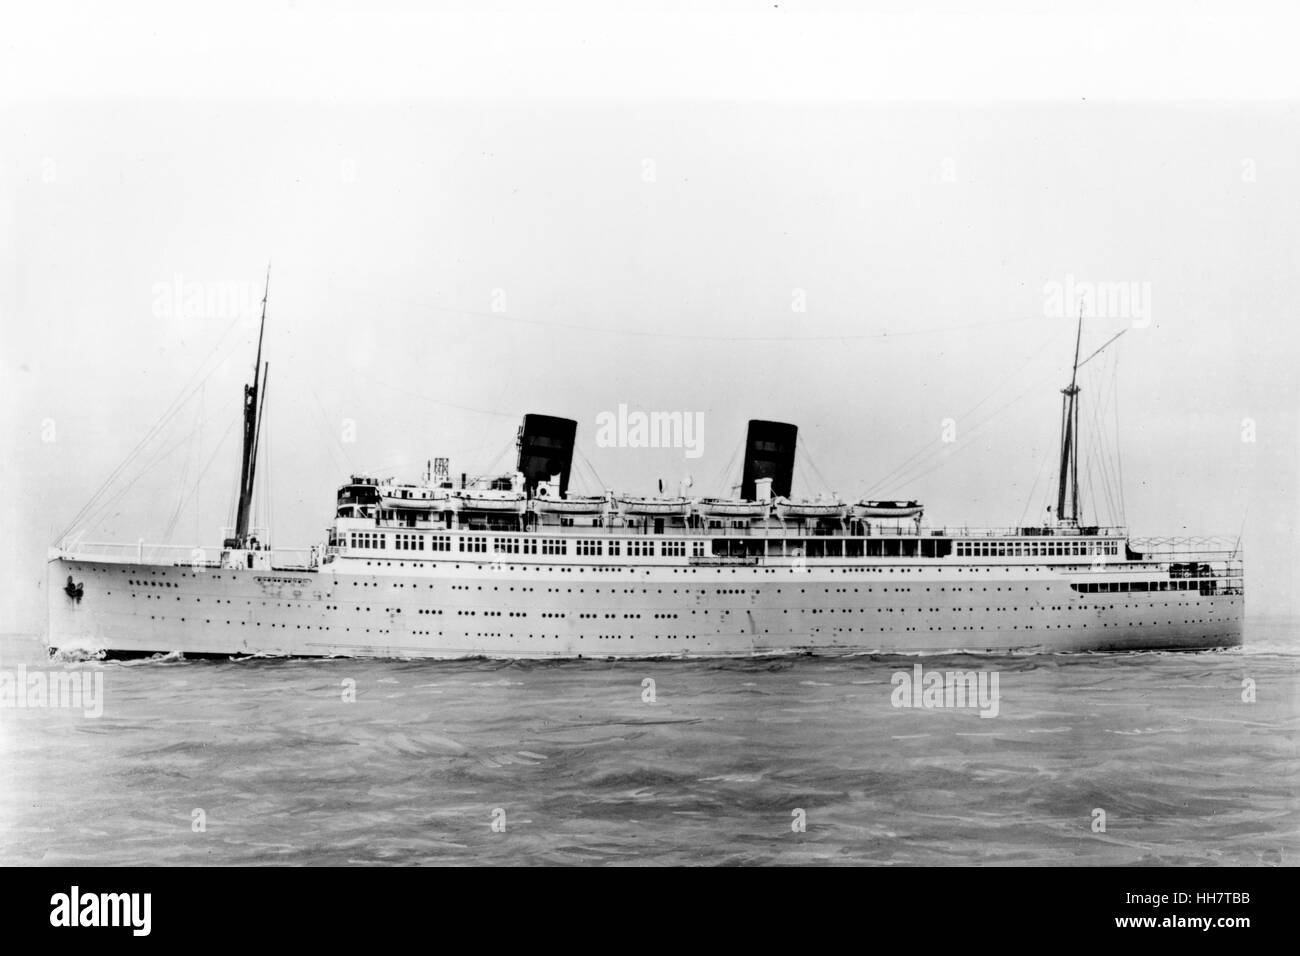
x,y
546,449
769,453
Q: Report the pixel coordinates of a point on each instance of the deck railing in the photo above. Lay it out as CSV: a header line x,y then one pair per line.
x,y
792,529
174,555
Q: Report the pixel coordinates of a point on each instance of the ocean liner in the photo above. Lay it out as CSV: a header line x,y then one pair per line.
x,y
514,566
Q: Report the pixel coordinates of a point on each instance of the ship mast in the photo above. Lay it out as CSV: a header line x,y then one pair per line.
x,y
254,402
1069,474
1069,440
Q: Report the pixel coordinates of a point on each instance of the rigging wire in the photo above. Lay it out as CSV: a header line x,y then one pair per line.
x,y
583,459
1038,474
722,480
335,444
1103,445
807,456
193,453
435,401
928,448
1119,461
943,453
105,506
198,481
186,394
646,333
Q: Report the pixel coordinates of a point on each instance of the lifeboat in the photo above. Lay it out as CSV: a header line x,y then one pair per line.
x,y
810,510
656,507
572,505
733,508
414,498
509,502
887,509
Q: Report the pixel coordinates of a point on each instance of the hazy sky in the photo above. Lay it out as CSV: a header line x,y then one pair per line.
x,y
854,223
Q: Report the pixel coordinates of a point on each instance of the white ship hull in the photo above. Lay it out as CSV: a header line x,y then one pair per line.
x,y
450,609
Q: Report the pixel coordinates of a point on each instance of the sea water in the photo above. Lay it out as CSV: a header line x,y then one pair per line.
x,y
1143,758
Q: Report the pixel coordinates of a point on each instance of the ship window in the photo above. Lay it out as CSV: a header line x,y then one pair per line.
x,y
932,548
614,548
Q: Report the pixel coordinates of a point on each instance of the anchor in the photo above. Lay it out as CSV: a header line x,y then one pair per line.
x,y
74,591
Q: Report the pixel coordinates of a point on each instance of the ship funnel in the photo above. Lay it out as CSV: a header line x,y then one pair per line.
x,y
769,453
546,450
